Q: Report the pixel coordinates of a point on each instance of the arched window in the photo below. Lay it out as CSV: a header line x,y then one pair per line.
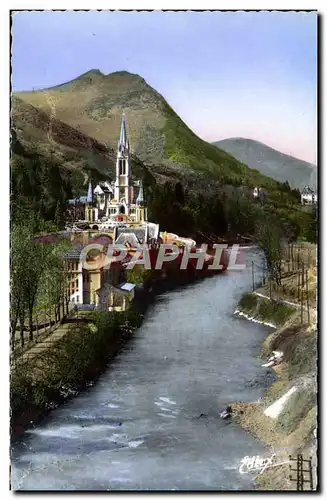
x,y
122,166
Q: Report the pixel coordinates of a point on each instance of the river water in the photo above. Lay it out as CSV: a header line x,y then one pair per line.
x,y
140,426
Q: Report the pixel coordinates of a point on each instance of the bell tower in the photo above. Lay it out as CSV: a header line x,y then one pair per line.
x,y
141,210
122,184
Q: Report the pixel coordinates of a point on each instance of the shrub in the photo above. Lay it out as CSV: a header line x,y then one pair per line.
x,y
248,302
21,392
277,312
65,367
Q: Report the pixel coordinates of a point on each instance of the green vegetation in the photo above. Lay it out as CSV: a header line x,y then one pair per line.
x,y
38,277
225,214
275,391
138,275
70,363
303,355
299,404
53,156
264,309
183,146
170,148
248,302
274,312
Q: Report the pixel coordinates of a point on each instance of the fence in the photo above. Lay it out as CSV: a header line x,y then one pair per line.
x,y
303,476
291,279
44,323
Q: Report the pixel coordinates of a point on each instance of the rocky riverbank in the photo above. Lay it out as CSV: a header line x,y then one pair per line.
x,y
285,419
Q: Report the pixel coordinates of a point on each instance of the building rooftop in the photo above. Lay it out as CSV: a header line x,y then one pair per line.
x,y
127,238
127,286
80,200
308,190
153,230
74,253
107,287
140,234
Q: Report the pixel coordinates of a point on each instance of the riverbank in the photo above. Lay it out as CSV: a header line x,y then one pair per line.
x,y
76,361
71,365
286,417
151,422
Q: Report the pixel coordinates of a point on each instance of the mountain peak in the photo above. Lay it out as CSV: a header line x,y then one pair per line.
x,y
126,75
90,73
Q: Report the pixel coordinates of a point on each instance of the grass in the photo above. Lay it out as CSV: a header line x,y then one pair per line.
x,y
248,302
296,408
292,431
183,146
303,355
273,311
276,391
265,310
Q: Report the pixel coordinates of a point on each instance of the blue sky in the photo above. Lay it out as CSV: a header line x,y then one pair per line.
x,y
243,74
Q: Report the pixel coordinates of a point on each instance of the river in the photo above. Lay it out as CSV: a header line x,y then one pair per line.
x,y
140,426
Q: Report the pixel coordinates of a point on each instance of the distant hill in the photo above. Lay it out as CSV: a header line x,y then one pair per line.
x,y
270,162
92,105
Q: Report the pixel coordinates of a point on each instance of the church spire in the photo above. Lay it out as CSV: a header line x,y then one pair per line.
x,y
89,198
140,196
123,143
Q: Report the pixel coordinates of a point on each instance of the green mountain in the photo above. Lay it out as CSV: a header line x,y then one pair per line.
x,y
92,105
270,162
36,133
52,161
63,134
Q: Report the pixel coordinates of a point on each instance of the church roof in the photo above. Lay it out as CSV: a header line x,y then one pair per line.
x,y
106,188
98,189
138,232
307,190
80,200
127,238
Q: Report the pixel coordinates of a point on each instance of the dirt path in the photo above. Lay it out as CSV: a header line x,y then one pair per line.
x,y
39,347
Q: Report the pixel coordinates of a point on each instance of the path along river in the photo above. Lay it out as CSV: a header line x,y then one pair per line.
x,y
140,426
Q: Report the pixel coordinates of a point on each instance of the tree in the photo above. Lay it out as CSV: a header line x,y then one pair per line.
x,y
37,272
19,239
179,193
269,237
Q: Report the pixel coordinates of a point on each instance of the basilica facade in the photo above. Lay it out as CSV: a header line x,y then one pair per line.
x,y
122,200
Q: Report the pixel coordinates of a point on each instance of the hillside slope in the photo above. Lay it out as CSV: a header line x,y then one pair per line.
x,y
36,133
93,104
270,162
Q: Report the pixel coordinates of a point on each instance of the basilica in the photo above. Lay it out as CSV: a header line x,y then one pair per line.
x,y
119,201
